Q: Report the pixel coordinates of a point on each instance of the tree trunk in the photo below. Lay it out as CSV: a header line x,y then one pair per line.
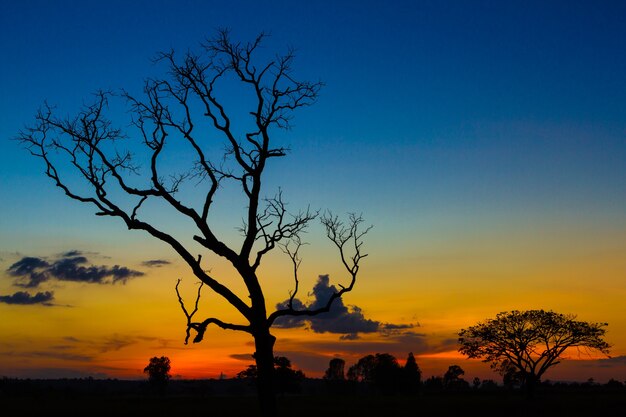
x,y
264,356
531,385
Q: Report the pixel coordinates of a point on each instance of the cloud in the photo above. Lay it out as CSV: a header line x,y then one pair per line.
x,y
71,339
116,342
30,272
72,269
313,356
56,373
390,327
417,343
24,298
72,253
51,354
155,263
307,360
348,321
613,361
247,357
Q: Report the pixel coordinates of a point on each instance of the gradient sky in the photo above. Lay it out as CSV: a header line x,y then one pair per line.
x,y
485,141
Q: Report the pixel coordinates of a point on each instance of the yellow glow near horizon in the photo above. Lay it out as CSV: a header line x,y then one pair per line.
x,y
114,329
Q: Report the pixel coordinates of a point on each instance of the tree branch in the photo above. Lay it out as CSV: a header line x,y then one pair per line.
x,y
342,235
200,327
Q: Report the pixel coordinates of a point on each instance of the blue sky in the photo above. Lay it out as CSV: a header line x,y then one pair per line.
x,y
452,82
433,112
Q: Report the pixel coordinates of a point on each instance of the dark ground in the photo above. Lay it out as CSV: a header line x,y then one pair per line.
x,y
220,398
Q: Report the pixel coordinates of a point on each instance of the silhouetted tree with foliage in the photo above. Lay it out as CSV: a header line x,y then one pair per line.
x,y
250,373
363,370
287,380
158,370
412,375
452,379
530,341
335,371
127,181
380,370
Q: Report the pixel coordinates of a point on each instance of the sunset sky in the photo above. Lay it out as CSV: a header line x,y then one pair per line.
x,y
485,142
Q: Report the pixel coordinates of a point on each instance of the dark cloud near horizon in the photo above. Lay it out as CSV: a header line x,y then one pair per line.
x,y
30,272
247,357
306,360
71,339
348,321
60,372
155,263
417,343
318,353
25,298
612,361
392,327
116,342
66,356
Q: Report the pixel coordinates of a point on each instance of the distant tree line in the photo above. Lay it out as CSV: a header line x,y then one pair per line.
x,y
382,373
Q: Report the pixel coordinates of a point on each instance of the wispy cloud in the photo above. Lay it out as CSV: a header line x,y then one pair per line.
x,y
50,354
56,372
611,362
116,342
155,263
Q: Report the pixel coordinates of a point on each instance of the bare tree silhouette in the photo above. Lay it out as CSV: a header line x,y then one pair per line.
x,y
177,110
529,342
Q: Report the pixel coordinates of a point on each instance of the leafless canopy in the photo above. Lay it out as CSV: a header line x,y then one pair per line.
x,y
176,110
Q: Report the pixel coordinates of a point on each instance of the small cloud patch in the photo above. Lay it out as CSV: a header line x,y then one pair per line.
x,y
155,263
242,356
25,298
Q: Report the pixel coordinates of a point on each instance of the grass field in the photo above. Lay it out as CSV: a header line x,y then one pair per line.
x,y
463,404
